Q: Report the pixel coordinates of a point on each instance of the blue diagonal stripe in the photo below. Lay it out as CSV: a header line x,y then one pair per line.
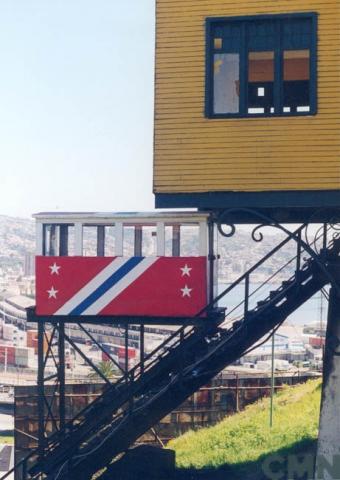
x,y
105,286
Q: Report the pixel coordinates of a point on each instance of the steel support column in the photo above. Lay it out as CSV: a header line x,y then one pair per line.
x,y
41,392
141,346
211,259
126,348
61,375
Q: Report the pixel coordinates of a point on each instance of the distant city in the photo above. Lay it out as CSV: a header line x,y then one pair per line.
x,y
17,246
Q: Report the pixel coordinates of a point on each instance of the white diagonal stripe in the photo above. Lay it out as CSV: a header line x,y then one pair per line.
x,y
114,291
90,287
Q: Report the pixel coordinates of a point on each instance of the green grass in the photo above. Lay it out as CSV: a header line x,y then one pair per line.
x,y
242,441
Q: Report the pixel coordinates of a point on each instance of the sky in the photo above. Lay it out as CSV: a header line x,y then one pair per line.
x,y
76,105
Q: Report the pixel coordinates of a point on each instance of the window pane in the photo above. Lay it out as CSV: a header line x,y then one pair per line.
x,y
59,240
149,242
173,240
90,241
190,240
51,240
297,33
109,241
128,241
168,240
296,81
261,35
226,83
228,36
261,83
71,241
266,87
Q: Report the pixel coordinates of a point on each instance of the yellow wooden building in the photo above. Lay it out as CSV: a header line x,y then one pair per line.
x,y
247,104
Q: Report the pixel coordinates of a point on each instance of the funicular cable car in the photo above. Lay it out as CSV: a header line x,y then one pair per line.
x,y
112,265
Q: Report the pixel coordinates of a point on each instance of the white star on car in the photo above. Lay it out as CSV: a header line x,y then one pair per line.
x,y
186,270
186,291
54,269
52,293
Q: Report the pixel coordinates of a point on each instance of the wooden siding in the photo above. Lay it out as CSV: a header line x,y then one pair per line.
x,y
197,154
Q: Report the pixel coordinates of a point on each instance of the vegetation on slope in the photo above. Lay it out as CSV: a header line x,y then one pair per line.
x,y
6,439
243,441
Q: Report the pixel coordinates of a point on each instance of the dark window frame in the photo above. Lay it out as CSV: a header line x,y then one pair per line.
x,y
278,83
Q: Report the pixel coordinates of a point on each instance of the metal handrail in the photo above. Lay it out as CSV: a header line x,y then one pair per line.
x,y
268,280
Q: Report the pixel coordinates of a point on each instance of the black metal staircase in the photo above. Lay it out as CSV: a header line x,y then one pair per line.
x,y
187,360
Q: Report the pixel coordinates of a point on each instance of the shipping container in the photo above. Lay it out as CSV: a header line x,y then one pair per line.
x,y
24,356
32,340
7,355
131,352
9,331
19,338
317,342
117,352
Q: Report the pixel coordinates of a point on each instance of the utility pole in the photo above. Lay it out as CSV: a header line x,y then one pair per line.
x,y
272,382
5,359
321,326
